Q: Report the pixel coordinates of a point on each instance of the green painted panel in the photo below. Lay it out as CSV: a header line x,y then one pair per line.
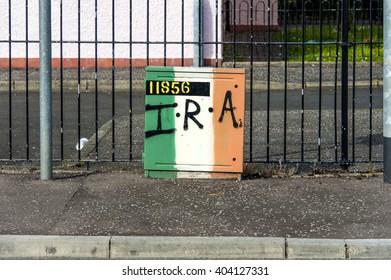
x,y
159,144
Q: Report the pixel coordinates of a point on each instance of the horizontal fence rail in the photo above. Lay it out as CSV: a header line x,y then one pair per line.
x,y
313,94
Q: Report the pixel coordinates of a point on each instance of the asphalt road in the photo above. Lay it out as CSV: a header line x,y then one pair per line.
x,y
15,146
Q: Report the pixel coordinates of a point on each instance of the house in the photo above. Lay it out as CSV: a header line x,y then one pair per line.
x,y
239,15
119,32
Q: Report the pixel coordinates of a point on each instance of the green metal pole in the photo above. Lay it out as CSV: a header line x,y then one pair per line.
x,y
198,33
45,72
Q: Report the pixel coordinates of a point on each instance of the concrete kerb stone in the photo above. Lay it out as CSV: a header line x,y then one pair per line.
x,y
313,249
374,249
354,249
54,247
164,247
197,248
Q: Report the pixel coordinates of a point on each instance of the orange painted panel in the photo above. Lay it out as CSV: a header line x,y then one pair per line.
x,y
228,119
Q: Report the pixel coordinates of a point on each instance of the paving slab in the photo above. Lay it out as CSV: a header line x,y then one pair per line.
x,y
31,206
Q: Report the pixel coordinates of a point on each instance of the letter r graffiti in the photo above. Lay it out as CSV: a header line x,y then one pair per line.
x,y
191,115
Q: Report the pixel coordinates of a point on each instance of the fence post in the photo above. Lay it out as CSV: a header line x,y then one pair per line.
x,y
344,84
387,92
45,89
198,56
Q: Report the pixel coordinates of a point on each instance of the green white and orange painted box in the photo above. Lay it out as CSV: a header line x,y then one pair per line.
x,y
194,122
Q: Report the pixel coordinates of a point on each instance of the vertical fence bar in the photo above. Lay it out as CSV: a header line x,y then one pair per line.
x,y
147,62
61,84
131,80
10,81
336,82
45,55
113,82
183,33
320,79
27,85
201,42
96,85
165,34
217,32
285,77
354,81
370,79
344,84
234,33
268,81
78,81
251,76
303,79
387,92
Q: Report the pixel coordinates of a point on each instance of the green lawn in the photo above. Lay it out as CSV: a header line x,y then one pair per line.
x,y
359,38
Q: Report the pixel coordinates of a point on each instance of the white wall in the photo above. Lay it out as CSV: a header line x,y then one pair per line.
x,y
104,28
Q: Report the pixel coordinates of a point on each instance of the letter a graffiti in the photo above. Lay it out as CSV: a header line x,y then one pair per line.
x,y
228,98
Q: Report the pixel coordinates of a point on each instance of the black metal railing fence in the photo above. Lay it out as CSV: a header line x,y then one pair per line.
x,y
314,71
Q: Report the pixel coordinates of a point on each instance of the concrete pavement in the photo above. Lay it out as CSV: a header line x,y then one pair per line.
x,y
103,214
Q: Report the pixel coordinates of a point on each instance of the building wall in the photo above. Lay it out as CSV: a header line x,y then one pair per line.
x,y
129,23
